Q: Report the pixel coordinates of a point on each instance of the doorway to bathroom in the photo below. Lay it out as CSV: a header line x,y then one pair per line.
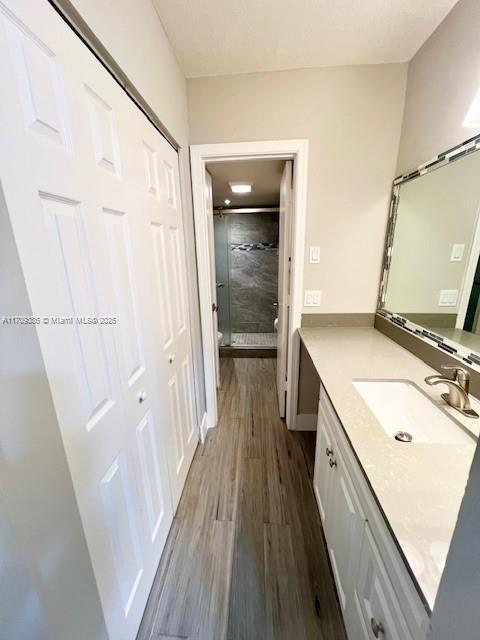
x,y
293,156
246,205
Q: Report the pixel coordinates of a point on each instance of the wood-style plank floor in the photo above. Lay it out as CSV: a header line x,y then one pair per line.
x,y
245,558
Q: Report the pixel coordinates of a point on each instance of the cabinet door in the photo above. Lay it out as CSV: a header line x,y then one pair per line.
x,y
323,477
346,525
377,613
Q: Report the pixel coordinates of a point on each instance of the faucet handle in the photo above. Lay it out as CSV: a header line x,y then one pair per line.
x,y
461,375
461,370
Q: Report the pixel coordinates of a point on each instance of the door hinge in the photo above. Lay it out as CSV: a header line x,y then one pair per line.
x,y
214,307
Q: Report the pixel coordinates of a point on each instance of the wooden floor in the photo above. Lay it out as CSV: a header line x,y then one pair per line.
x,y
245,558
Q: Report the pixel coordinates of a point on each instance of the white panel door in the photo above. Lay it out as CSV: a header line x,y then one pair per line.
x,y
173,343
213,275
284,251
93,197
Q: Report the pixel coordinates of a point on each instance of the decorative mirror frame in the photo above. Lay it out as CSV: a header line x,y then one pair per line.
x,y
453,348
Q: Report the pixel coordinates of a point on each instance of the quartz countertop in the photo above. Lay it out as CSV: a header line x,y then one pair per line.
x,y
419,486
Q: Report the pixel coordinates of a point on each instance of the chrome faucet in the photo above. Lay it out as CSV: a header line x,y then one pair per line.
x,y
458,388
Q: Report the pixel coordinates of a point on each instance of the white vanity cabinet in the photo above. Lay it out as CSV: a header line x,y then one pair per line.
x,y
376,594
342,515
377,612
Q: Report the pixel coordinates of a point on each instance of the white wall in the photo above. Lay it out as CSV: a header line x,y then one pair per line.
x,y
132,33
352,117
47,586
443,78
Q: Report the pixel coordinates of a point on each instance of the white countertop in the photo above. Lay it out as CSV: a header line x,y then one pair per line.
x,y
419,486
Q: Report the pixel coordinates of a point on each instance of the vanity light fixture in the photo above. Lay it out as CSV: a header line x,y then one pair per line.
x,y
240,188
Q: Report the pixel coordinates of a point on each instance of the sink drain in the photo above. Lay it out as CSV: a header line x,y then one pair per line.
x,y
403,436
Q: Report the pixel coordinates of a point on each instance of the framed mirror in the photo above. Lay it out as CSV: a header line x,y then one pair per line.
x,y
431,272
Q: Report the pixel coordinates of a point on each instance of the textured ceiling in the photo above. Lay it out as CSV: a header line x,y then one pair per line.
x,y
214,37
265,175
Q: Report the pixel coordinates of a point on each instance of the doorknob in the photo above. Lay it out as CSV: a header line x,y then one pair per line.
x,y
171,358
141,396
220,284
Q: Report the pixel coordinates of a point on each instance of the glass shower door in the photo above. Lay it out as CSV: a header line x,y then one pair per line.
x,y
222,275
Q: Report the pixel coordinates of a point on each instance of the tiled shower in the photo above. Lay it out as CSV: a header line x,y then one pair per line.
x,y
246,262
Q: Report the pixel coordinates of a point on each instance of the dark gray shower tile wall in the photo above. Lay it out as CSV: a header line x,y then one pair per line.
x,y
253,273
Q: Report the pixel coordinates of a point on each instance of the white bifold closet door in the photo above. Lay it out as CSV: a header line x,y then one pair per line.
x,y
92,192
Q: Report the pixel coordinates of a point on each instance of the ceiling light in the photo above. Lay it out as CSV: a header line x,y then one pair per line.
x,y
227,201
240,187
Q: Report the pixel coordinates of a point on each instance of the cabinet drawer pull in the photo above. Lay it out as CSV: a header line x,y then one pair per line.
x,y
328,452
377,628
332,462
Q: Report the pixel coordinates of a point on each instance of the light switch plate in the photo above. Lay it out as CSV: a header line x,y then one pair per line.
x,y
448,298
312,298
314,255
457,253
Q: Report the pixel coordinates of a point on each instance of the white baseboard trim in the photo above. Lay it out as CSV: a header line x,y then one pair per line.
x,y
203,428
306,422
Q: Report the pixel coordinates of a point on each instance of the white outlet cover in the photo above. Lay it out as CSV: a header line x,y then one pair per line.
x,y
312,298
457,253
448,298
314,255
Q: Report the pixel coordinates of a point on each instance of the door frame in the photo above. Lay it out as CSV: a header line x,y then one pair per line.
x,y
469,275
296,150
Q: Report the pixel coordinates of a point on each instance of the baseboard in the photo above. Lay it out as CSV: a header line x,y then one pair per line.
x,y
306,422
248,352
203,427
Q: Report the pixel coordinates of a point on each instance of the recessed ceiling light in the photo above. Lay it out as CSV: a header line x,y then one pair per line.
x,y
241,187
227,201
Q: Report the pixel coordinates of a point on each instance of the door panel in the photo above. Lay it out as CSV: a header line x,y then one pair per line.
x,y
284,250
178,284
175,411
154,491
123,279
323,478
163,284
376,604
346,529
93,197
39,82
77,298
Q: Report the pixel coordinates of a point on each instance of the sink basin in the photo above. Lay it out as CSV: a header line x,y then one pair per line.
x,y
400,406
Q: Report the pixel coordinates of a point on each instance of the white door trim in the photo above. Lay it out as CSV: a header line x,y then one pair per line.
x,y
469,275
296,150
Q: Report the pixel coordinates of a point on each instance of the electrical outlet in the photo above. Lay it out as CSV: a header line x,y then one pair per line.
x,y
314,255
448,298
312,298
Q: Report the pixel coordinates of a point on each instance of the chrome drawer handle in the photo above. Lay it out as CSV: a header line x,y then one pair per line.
x,y
377,628
329,452
332,462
